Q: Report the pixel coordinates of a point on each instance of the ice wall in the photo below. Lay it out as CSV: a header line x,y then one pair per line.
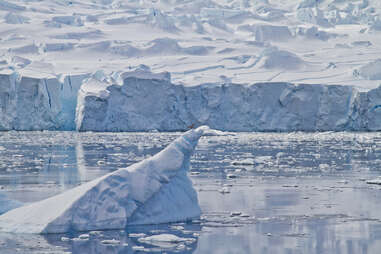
x,y
140,100
154,103
38,102
155,190
28,103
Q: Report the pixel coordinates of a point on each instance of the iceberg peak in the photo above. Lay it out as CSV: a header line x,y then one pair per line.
x,y
155,190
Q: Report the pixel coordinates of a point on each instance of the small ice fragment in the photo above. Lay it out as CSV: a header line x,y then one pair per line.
x,y
79,239
269,234
177,227
84,236
111,242
136,235
98,233
231,176
168,238
246,162
65,239
232,214
224,190
374,181
100,163
137,247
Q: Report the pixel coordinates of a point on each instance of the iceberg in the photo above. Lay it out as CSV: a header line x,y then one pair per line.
x,y
155,190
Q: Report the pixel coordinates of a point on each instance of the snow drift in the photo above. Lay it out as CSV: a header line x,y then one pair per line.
x,y
155,190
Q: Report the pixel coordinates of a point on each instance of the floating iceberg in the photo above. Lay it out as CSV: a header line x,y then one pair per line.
x,y
155,190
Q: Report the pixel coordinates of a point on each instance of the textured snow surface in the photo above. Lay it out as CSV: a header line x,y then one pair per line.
x,y
155,190
206,40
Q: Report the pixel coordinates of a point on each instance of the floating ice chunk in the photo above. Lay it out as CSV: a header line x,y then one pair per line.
x,y
166,240
375,181
246,162
111,242
155,190
84,236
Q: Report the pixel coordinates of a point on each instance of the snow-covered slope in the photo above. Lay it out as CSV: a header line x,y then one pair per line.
x,y
155,190
197,41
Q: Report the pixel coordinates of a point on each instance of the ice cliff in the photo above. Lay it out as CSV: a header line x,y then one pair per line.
x,y
144,103
155,190
139,100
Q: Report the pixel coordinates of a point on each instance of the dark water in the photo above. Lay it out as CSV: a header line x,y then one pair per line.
x,y
259,192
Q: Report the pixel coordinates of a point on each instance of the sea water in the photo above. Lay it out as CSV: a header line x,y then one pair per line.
x,y
259,192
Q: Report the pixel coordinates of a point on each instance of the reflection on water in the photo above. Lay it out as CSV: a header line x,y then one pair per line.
x,y
259,192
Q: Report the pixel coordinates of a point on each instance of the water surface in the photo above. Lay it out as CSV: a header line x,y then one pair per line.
x,y
259,192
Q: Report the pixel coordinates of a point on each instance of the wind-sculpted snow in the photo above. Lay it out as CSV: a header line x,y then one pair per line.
x,y
155,190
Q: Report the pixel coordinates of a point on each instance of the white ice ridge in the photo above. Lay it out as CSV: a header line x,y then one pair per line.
x,y
155,190
139,100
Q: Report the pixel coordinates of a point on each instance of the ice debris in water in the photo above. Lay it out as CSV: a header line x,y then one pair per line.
x,y
166,240
148,192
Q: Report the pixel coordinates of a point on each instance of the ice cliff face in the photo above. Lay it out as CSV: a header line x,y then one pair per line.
x,y
140,100
38,103
155,190
143,104
28,103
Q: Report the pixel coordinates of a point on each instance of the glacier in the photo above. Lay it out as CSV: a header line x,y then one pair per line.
x,y
140,100
155,190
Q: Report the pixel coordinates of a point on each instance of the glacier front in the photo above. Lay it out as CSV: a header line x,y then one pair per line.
x,y
132,102
155,190
140,100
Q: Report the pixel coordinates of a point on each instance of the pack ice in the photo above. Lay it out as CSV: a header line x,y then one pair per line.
x,y
155,190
